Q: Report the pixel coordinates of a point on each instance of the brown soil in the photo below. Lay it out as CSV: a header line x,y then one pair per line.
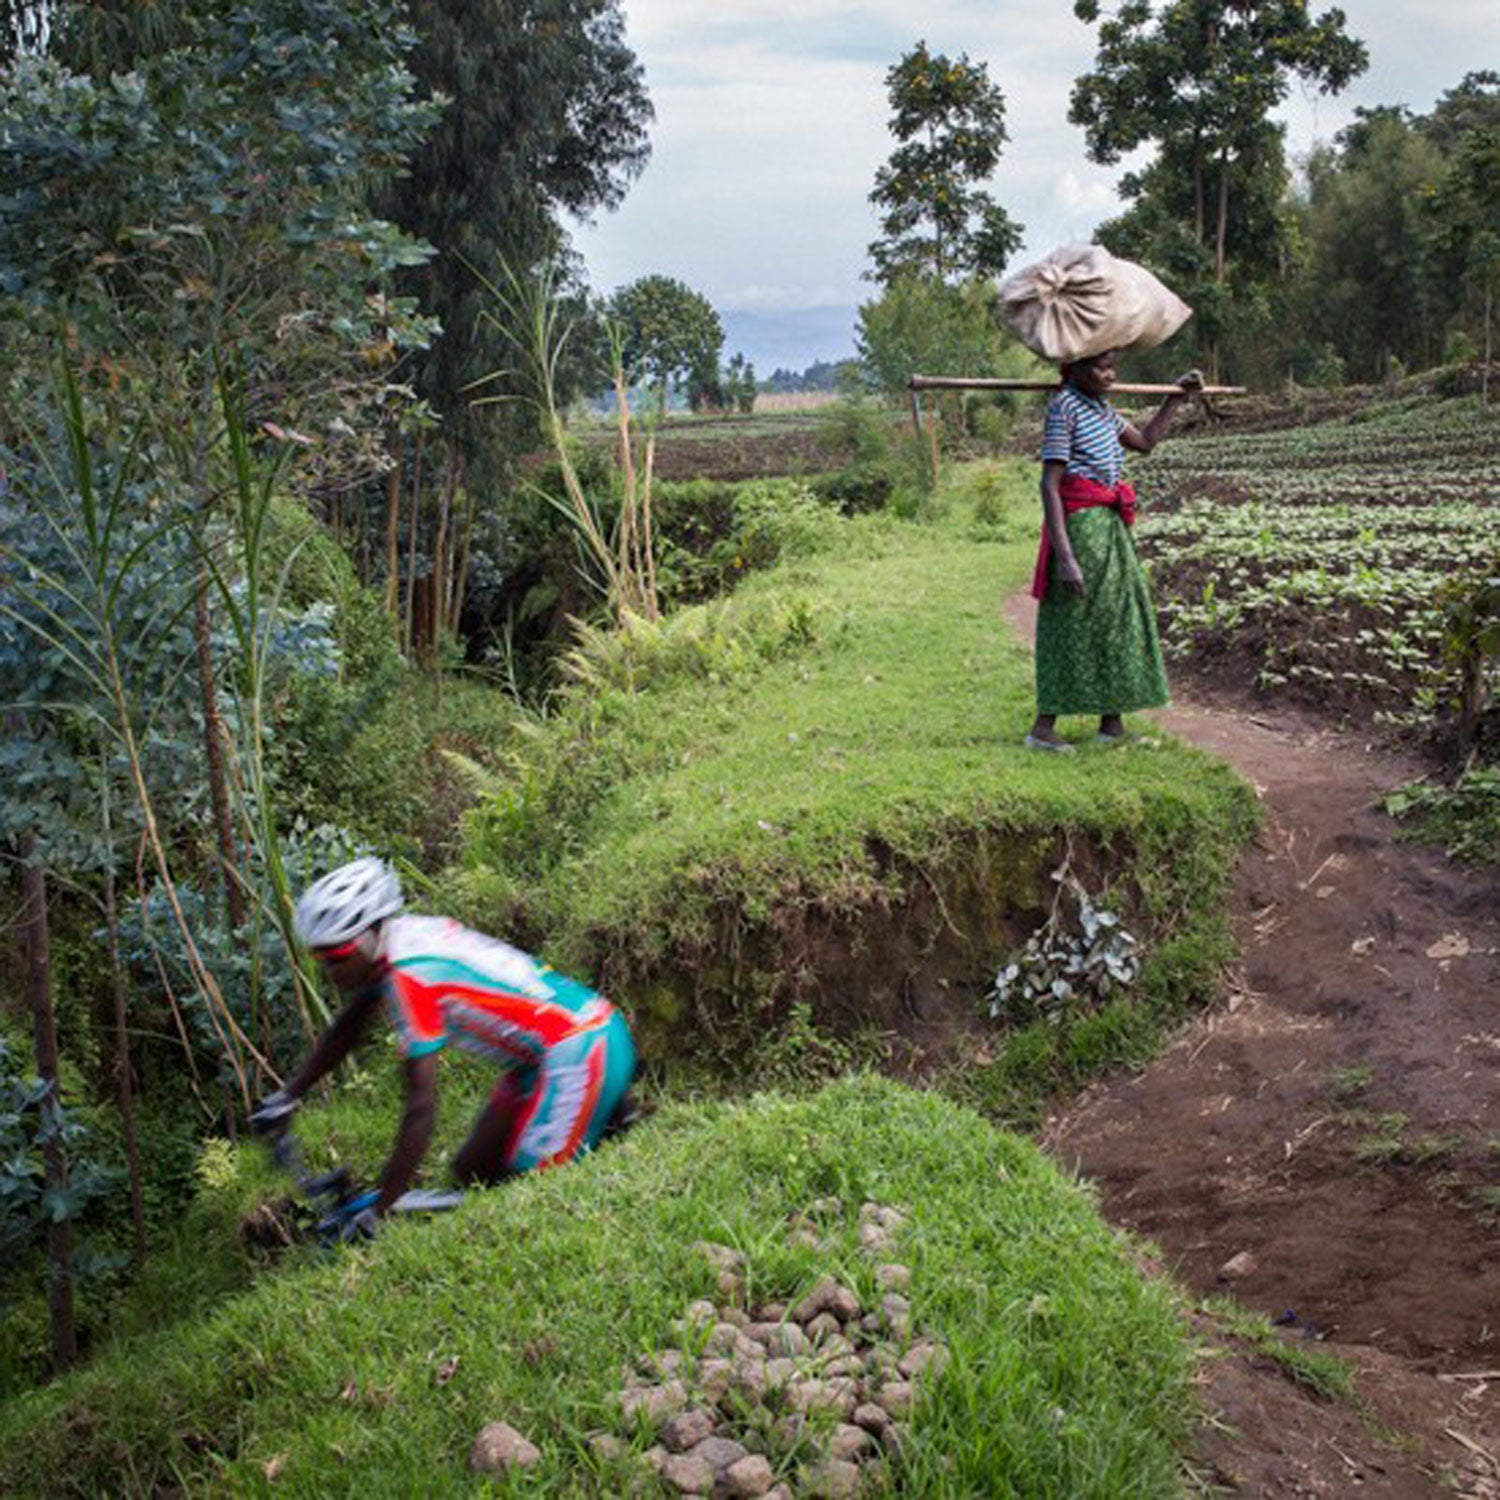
x,y
1336,1125
735,448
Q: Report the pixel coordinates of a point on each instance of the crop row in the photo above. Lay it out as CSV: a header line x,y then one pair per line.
x,y
1308,563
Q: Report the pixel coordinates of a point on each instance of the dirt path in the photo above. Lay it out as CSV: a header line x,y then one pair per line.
x,y
1326,1146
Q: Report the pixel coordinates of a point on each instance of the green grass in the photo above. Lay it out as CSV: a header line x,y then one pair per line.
x,y
1390,1144
1069,1374
1315,1370
1350,1082
778,808
1463,818
1486,1203
720,818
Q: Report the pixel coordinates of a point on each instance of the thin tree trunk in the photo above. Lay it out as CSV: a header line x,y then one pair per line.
x,y
1484,379
653,606
937,220
461,564
410,636
1470,697
627,476
124,1084
438,612
1199,214
35,942
215,1007
393,540
1222,235
213,747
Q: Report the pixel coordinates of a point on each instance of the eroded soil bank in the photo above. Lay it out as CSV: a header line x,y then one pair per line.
x,y
1325,1147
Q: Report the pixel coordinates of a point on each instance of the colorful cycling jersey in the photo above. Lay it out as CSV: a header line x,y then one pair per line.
x,y
448,983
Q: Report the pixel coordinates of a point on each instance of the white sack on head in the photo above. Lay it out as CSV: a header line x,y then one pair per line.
x,y
1081,300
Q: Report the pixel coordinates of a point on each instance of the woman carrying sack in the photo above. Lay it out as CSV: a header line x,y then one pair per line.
x,y
1097,650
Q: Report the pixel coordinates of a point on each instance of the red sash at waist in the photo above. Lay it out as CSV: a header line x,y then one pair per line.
x,y
1078,493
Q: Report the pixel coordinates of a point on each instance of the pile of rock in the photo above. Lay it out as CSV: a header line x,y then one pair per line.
x,y
809,1399
819,1392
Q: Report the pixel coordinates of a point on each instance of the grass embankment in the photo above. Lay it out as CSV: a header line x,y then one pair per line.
x,y
371,1371
786,828
816,804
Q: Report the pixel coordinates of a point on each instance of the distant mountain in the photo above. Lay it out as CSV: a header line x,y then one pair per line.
x,y
790,338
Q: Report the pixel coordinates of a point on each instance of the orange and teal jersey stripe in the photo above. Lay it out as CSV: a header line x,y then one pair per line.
x,y
446,983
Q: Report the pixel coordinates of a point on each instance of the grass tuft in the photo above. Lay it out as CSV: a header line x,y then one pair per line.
x,y
1315,1370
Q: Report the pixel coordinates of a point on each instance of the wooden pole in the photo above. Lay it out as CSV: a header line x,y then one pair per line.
x,y
965,383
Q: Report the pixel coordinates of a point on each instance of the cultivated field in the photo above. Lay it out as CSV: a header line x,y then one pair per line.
x,y
1308,563
779,401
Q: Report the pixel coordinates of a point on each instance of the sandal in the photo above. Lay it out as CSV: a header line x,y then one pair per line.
x,y
1054,747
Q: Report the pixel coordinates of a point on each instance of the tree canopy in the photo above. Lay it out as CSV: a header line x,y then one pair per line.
x,y
1198,79
545,114
666,331
936,220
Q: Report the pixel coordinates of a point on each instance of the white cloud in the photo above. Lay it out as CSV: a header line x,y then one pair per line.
x,y
1074,196
787,294
771,123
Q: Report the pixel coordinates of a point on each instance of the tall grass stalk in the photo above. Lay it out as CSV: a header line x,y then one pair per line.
x,y
88,520
637,546
252,610
620,565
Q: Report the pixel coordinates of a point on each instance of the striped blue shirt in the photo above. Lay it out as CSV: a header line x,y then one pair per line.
x,y
1083,432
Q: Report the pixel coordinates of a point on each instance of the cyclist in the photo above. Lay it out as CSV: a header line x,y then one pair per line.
x,y
567,1053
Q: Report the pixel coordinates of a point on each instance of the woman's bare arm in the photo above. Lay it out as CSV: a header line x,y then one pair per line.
x,y
1144,439
1055,518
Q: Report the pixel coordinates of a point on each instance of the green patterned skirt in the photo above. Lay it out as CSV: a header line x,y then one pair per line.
x,y
1099,654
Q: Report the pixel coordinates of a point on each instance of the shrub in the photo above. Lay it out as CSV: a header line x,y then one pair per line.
x,y
857,490
712,533
563,767
856,429
991,419
1464,818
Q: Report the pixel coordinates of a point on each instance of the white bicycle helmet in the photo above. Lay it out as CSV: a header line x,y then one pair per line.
x,y
347,901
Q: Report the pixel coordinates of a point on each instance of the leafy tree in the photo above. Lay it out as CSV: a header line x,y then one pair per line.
x,y
98,36
1397,224
545,114
1365,227
1466,225
197,224
667,332
707,389
821,375
949,122
920,326
1199,80
739,384
1473,105
139,208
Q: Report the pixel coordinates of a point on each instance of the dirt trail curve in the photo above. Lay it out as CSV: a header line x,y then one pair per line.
x,y
1335,1126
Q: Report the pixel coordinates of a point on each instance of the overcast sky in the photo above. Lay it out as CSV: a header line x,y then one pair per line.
x,y
771,122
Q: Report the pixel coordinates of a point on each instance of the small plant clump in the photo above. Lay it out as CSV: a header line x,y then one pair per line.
x,y
1065,968
1464,818
1351,1081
